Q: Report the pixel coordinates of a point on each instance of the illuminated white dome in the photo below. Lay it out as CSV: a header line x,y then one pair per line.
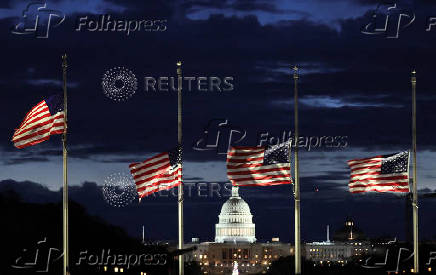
x,y
236,206
235,221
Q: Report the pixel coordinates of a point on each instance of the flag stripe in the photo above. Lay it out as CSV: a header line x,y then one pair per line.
x,y
366,164
245,160
38,114
152,171
30,113
381,178
280,172
260,180
39,117
155,178
404,184
148,162
46,123
380,189
366,168
51,126
379,174
262,170
38,125
376,158
42,120
156,174
160,180
246,167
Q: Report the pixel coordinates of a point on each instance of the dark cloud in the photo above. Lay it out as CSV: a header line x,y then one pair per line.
x,y
240,6
246,5
366,71
14,161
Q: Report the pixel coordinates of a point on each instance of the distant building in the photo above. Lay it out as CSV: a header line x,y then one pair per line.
x,y
235,240
337,252
349,232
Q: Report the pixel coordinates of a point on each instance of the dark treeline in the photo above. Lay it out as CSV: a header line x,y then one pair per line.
x,y
32,243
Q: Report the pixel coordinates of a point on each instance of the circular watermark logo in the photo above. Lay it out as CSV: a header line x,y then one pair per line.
x,y
119,84
119,190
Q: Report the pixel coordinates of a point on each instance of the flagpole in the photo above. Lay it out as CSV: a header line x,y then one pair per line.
x,y
65,170
415,189
179,139
297,180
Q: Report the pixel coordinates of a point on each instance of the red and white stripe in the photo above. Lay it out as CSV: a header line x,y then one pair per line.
x,y
245,167
155,174
38,125
366,177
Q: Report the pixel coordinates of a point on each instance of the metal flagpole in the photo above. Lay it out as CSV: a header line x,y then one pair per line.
x,y
143,235
415,191
179,139
297,180
65,169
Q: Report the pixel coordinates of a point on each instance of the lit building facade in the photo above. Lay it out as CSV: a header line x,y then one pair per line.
x,y
235,221
334,252
235,240
252,258
327,252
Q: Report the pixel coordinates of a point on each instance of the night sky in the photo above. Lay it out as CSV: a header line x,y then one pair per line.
x,y
352,85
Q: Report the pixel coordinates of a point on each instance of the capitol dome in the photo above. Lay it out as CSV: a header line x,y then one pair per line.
x,y
235,221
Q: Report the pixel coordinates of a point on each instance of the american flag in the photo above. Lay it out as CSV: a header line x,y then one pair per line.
x,y
262,166
161,172
42,121
385,173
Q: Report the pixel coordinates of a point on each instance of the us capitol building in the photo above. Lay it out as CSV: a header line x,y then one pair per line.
x,y
235,240
235,221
